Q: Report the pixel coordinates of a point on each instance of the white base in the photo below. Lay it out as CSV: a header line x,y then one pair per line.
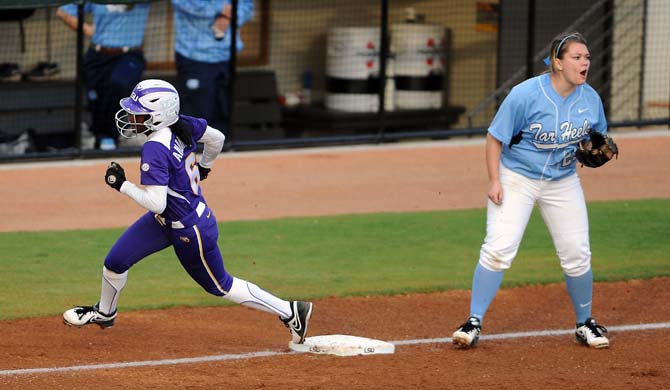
x,y
343,345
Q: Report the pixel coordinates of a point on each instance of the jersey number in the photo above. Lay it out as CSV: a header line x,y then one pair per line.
x,y
568,158
191,168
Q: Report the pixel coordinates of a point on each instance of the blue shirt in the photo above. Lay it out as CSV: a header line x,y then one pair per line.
x,y
166,161
194,38
115,25
549,126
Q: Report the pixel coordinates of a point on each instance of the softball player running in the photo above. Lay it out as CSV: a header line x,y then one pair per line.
x,y
530,157
178,215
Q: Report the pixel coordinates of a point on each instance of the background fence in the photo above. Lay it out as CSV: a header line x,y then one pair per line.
x,y
344,71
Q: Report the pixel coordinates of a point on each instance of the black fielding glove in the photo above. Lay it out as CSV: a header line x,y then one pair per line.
x,y
204,172
115,176
601,151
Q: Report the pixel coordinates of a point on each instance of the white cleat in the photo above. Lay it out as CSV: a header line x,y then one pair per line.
x,y
591,334
467,335
85,315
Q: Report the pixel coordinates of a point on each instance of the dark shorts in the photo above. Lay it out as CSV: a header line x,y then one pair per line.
x,y
195,244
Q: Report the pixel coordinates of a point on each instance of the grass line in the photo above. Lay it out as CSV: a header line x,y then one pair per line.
x,y
43,273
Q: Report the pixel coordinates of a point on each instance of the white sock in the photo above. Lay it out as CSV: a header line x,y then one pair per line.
x,y
112,284
248,294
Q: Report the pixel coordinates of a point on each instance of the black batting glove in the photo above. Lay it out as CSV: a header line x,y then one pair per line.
x,y
204,172
115,176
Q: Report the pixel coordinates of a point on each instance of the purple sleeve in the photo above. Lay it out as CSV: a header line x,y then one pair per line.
x,y
198,126
154,166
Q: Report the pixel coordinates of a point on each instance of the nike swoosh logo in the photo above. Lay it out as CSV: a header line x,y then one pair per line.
x,y
582,110
297,325
586,304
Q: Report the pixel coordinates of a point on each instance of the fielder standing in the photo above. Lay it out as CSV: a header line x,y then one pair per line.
x,y
178,215
540,131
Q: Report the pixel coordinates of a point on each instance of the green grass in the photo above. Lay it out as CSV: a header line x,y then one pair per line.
x,y
44,273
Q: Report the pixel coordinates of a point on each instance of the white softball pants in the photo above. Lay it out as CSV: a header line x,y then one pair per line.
x,y
563,208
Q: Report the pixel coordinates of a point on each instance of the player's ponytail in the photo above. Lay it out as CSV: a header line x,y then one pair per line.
x,y
183,131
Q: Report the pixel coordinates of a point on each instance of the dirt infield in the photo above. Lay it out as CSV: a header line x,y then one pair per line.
x,y
248,350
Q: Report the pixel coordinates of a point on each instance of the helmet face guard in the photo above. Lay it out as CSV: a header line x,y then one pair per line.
x,y
153,105
130,125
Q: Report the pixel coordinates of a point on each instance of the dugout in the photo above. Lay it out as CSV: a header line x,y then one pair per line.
x,y
288,93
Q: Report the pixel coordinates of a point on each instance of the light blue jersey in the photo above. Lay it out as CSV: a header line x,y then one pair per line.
x,y
546,126
116,25
194,38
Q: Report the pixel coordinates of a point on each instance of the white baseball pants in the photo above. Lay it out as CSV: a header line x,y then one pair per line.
x,y
563,208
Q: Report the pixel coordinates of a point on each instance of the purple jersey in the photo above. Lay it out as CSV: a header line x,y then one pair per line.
x,y
167,161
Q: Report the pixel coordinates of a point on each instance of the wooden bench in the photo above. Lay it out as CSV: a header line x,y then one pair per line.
x,y
257,114
47,107
321,121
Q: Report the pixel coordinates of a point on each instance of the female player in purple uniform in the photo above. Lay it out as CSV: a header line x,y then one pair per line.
x,y
530,157
178,215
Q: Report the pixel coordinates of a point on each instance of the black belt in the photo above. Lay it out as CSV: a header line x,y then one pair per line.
x,y
114,51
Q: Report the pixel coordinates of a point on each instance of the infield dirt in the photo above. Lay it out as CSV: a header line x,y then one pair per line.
x,y
402,177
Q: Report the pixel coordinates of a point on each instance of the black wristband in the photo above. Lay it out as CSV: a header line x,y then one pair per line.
x,y
204,172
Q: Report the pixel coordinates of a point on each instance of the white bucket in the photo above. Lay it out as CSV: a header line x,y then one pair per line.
x,y
419,65
352,69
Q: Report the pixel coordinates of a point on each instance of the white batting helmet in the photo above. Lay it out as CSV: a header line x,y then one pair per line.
x,y
157,99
